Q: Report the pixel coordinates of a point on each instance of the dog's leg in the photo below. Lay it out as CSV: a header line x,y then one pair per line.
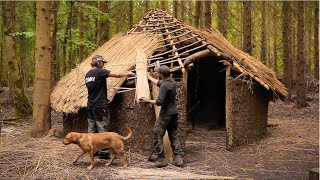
x,y
82,153
112,157
125,160
92,160
124,156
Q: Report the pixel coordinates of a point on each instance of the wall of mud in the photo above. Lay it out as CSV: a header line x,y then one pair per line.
x,y
183,125
141,119
247,112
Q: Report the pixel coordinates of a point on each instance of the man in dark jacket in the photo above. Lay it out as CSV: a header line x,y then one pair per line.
x,y
168,118
97,106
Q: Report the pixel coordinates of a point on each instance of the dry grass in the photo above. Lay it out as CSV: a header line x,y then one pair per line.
x,y
288,152
23,157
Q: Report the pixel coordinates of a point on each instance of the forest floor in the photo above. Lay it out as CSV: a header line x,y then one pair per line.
x,y
290,150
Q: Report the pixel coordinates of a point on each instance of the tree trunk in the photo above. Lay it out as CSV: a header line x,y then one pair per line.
x,y
275,39
190,8
207,23
307,39
43,58
163,5
264,40
65,44
294,47
301,91
103,29
197,14
21,103
287,56
147,3
130,14
182,9
275,44
2,60
175,9
71,59
22,44
316,40
223,14
55,60
247,28
82,32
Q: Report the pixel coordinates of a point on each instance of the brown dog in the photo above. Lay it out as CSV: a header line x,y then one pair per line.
x,y
92,142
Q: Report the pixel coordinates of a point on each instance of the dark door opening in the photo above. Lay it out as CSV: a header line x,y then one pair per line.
x,y
206,93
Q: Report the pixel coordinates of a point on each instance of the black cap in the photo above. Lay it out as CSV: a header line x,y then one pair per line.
x,y
99,58
164,70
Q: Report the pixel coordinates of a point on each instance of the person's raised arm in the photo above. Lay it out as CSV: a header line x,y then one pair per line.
x,y
155,81
121,74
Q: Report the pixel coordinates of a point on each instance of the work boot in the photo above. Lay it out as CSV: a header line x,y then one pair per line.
x,y
104,154
153,158
177,161
96,154
161,162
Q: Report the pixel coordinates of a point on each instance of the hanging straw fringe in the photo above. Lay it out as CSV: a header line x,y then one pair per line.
x,y
70,93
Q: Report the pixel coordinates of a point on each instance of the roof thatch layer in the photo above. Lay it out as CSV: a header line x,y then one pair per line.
x,y
70,93
177,43
188,41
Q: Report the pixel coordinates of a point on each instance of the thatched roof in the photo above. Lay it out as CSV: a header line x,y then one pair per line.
x,y
188,40
250,64
173,42
70,93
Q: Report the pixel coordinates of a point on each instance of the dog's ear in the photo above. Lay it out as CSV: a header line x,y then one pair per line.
x,y
75,137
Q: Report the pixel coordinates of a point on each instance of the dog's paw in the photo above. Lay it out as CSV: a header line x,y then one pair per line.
x,y
75,163
90,167
108,164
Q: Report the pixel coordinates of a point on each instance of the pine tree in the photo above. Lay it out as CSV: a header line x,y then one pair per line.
x,y
43,58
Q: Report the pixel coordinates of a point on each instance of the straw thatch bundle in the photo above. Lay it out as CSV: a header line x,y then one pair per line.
x,y
70,93
248,64
142,85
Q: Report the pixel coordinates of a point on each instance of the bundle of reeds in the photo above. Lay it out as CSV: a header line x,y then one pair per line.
x,y
142,86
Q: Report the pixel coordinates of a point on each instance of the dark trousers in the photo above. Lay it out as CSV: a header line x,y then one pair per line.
x,y
169,123
98,119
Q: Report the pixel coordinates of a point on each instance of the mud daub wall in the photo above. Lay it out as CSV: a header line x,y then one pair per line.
x,y
141,119
247,112
75,122
181,100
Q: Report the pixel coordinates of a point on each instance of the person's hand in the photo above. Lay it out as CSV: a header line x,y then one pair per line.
x,y
143,100
131,74
148,75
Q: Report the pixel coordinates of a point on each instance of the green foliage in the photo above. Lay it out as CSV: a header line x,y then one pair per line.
x,y
26,35
93,11
75,42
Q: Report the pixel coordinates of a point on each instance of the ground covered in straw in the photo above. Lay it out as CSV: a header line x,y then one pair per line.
x,y
289,152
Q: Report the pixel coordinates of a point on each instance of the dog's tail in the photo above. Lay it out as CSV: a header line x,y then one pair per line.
x,y
129,134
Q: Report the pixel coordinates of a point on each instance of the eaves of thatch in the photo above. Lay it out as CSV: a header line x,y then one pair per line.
x,y
70,93
173,43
